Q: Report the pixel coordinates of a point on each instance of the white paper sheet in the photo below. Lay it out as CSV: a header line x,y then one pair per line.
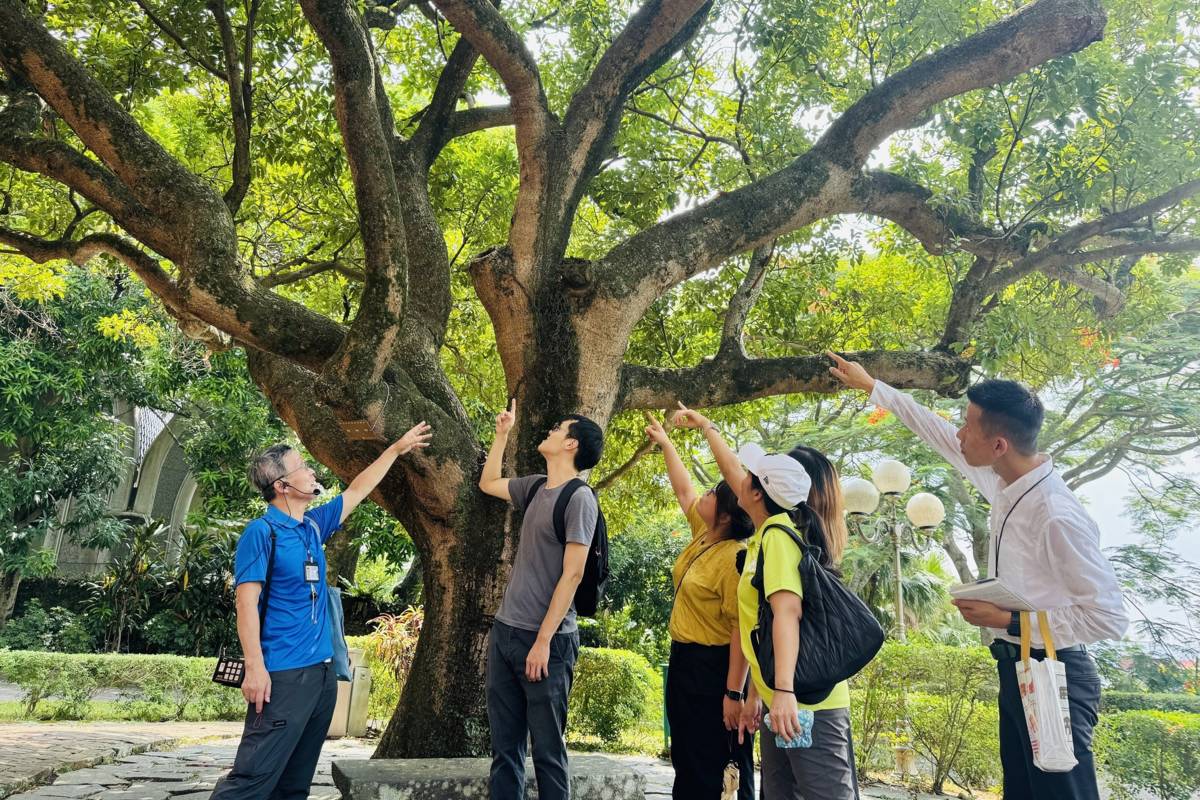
x,y
993,591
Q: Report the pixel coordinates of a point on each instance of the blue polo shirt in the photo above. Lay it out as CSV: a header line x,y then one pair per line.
x,y
296,631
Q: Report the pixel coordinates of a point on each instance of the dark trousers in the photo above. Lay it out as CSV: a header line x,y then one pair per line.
x,y
700,745
278,753
1024,781
518,707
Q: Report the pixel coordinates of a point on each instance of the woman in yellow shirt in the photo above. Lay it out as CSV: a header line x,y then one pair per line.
x,y
707,671
801,491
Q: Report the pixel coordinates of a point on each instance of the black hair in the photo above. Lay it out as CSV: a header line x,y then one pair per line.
x,y
1010,410
268,467
740,525
590,437
807,522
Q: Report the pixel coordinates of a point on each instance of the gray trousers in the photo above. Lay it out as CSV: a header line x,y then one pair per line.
x,y
278,753
824,771
518,708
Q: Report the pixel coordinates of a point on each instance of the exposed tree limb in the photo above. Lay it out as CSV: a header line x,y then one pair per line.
x,y
239,85
29,51
435,128
361,118
818,183
311,270
536,128
727,380
479,118
1035,34
1054,262
652,35
743,300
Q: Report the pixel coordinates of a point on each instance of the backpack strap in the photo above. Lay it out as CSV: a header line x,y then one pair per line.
x,y
533,490
266,592
757,581
560,508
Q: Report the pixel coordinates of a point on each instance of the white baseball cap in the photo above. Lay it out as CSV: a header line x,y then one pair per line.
x,y
783,477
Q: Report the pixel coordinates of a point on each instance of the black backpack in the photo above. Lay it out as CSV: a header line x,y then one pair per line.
x,y
595,571
838,633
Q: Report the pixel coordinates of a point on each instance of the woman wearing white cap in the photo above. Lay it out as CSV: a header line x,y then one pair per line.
x,y
798,491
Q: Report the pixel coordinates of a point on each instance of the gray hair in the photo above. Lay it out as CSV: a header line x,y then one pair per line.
x,y
267,468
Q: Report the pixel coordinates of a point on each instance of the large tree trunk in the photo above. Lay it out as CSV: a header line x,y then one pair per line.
x,y
341,557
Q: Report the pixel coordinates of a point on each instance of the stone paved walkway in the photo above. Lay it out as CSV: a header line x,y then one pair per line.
x,y
172,761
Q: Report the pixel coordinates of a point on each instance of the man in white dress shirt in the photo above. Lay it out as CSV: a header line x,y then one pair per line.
x,y
1043,545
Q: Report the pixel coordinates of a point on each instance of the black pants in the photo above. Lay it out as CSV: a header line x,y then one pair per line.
x,y
1024,781
700,745
278,753
517,707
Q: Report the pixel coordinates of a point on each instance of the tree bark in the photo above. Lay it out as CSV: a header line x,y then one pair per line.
x,y
10,584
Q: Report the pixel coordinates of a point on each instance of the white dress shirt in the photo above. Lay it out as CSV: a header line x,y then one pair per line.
x,y
1049,552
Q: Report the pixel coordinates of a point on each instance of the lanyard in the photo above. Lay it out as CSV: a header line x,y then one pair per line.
x,y
1000,536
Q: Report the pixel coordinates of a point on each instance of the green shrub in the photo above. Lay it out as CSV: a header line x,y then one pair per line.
x,y
610,693
155,687
620,630
56,629
1150,751
951,706
1149,701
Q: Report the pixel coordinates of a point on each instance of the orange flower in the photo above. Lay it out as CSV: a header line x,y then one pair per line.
x,y
877,416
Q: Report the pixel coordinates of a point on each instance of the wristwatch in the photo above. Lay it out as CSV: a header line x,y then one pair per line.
x,y
1014,624
734,694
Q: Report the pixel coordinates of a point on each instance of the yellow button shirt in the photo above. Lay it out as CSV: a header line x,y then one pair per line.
x,y
706,605
781,572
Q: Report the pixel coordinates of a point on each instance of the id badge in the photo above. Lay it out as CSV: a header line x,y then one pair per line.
x,y
311,575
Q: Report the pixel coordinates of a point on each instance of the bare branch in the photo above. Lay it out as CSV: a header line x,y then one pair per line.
x,y
313,269
727,380
480,118
481,24
1081,233
1052,261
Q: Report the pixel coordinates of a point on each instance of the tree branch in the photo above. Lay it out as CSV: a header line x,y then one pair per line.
x,y
818,184
311,270
476,119
239,85
1052,261
361,113
199,59
727,380
743,300
435,128
29,51
481,24
1035,34
652,35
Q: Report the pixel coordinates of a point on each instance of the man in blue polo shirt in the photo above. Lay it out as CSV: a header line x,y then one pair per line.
x,y
289,685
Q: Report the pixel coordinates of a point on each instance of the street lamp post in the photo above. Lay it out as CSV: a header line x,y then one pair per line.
x,y
891,479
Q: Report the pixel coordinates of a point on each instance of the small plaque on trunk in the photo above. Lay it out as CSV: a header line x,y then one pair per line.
x,y
360,430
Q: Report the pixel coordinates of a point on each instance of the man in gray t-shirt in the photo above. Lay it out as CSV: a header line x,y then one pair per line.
x,y
534,641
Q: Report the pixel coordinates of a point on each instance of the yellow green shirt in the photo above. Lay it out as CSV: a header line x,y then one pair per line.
x,y
781,572
706,605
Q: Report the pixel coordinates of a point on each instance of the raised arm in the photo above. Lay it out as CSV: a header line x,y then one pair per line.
x,y
930,428
490,481
727,460
417,438
681,482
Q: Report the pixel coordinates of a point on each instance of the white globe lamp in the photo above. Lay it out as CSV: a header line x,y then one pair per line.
x,y
891,477
925,511
859,496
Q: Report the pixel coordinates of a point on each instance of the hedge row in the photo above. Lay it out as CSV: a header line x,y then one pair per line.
x,y
1148,701
611,691
156,687
1155,752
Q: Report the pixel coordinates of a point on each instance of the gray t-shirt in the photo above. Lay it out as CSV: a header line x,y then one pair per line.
x,y
538,566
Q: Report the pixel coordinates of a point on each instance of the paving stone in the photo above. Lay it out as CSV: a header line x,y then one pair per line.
x,y
69,790
133,793
101,776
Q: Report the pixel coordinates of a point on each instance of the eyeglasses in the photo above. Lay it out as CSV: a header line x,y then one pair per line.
x,y
308,465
